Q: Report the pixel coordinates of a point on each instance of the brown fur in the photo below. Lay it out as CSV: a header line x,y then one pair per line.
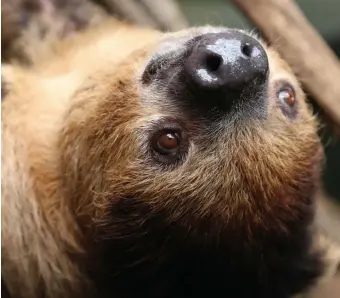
x,y
73,135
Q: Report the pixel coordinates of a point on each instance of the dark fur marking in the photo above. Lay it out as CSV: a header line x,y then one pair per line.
x,y
4,290
163,260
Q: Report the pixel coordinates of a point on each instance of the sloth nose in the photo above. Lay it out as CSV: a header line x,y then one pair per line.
x,y
225,64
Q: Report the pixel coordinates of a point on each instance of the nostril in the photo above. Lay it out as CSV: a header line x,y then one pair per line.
x,y
213,61
247,50
223,67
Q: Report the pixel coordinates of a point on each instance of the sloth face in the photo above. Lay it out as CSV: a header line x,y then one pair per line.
x,y
200,141
207,123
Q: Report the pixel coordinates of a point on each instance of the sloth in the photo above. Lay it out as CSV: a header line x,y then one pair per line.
x,y
137,163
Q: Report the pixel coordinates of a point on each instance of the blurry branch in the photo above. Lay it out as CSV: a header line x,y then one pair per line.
x,y
27,18
285,26
160,14
130,10
167,13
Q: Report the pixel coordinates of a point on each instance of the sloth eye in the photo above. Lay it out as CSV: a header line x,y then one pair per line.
x,y
167,143
287,95
287,100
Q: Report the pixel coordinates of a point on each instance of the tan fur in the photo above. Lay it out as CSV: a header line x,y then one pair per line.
x,y
36,253
57,129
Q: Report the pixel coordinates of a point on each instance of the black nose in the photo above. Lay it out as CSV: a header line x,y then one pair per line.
x,y
226,62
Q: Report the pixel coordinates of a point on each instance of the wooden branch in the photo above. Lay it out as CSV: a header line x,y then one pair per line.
x,y
284,25
41,16
161,14
167,13
131,10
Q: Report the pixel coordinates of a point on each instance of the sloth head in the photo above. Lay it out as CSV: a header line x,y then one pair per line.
x,y
199,141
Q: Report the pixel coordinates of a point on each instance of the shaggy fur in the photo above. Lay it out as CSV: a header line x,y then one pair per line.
x,y
87,212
